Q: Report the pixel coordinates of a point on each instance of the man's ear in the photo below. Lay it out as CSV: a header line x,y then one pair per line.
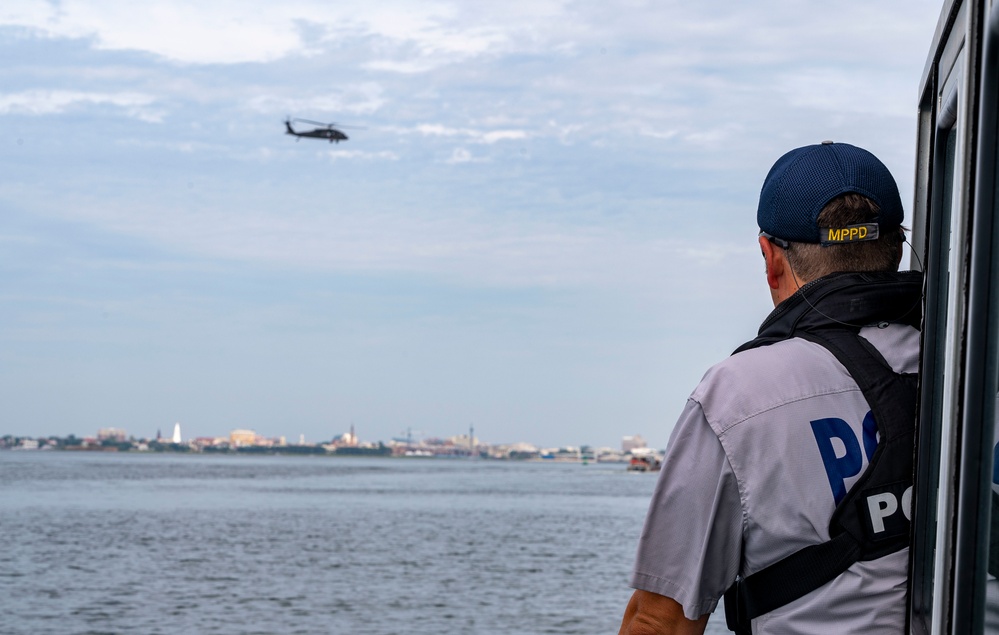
x,y
774,258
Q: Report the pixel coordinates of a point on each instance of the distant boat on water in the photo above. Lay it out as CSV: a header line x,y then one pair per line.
x,y
419,453
644,463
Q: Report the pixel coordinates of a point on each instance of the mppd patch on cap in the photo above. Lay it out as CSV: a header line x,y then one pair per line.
x,y
805,179
848,234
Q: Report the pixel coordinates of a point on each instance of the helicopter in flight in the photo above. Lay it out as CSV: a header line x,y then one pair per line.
x,y
324,131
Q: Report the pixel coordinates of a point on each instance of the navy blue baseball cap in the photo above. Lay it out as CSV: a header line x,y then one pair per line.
x,y
805,179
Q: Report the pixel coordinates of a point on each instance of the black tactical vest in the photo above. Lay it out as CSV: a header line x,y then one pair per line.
x,y
865,525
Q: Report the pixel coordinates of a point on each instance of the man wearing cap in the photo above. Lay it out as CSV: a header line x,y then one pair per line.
x,y
786,486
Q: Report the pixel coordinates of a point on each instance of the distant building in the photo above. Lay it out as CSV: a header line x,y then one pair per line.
x,y
463,441
628,444
239,438
112,434
514,450
176,433
345,440
207,442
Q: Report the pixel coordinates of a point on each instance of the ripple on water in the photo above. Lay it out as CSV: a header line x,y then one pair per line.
x,y
221,544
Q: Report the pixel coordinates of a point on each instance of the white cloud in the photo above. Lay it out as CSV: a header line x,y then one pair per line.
x,y
383,155
712,137
230,31
355,99
182,30
717,85
403,67
565,132
658,134
471,134
437,130
461,155
503,135
47,102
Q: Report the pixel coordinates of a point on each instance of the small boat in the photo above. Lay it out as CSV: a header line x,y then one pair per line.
x,y
644,464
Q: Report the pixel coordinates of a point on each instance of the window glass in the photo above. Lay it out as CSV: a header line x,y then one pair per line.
x,y
992,579
933,417
990,135
989,129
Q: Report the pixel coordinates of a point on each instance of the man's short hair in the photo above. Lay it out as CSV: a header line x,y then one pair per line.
x,y
809,261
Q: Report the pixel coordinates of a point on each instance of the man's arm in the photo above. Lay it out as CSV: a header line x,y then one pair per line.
x,y
653,614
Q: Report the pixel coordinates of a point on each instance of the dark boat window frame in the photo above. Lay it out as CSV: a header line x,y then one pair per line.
x,y
957,143
981,370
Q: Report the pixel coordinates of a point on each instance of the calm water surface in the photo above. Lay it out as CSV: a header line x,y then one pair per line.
x,y
132,543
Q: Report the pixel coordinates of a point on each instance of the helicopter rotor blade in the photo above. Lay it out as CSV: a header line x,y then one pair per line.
x,y
329,125
316,123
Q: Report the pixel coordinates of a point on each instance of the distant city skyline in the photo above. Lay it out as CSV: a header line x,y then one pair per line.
x,y
542,225
632,449
626,442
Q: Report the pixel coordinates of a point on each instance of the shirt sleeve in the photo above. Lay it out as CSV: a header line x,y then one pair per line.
x,y
691,546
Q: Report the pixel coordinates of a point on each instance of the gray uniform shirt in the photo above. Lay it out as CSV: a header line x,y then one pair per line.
x,y
767,444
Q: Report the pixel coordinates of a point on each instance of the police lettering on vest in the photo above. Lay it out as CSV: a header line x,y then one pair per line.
x,y
886,510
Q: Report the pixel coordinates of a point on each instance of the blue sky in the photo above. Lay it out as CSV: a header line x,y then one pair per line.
x,y
543,224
